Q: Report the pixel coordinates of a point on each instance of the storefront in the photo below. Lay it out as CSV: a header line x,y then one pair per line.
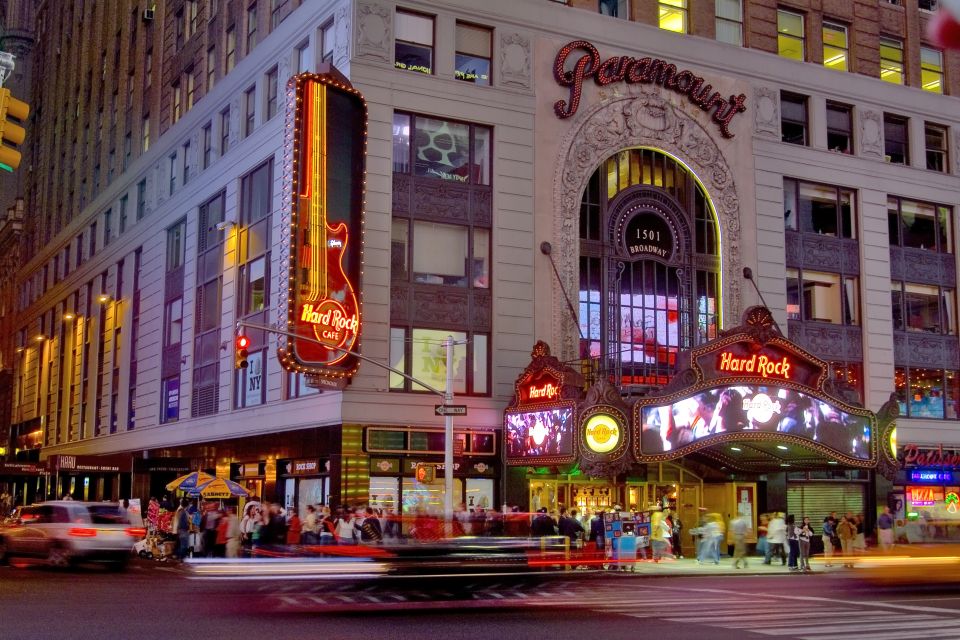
x,y
926,495
24,481
305,481
91,477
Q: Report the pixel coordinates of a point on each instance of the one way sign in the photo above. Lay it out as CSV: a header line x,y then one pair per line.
x,y
450,409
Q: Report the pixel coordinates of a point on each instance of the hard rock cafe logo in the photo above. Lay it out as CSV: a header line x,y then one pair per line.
x,y
547,391
756,364
602,434
384,465
331,323
761,408
539,432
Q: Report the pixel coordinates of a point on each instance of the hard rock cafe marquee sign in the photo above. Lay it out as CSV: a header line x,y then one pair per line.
x,y
326,140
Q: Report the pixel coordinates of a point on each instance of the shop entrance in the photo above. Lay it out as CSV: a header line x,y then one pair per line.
x,y
670,486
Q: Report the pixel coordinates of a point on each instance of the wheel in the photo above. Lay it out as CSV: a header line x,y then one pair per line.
x,y
58,557
3,551
144,554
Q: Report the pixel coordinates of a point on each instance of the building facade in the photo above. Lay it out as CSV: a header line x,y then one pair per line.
x,y
511,150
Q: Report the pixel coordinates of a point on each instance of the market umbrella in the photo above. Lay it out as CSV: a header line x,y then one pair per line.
x,y
190,482
219,488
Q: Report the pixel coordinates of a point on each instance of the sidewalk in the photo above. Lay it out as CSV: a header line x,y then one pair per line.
x,y
690,567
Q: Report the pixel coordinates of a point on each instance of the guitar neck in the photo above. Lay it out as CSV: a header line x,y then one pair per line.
x,y
316,169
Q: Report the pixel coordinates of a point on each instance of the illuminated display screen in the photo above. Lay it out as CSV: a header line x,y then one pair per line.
x,y
931,475
753,408
539,434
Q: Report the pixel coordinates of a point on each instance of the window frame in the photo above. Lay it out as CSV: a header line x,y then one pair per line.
x,y
399,384
891,120
722,19
804,101
845,30
681,8
782,34
931,73
398,41
941,212
479,79
249,110
891,69
839,107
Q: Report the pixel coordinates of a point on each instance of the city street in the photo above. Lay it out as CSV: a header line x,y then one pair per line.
x,y
159,601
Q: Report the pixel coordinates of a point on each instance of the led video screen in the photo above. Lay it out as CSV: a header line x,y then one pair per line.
x,y
539,434
753,408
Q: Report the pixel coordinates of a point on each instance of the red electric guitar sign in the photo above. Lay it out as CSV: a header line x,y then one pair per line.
x,y
327,171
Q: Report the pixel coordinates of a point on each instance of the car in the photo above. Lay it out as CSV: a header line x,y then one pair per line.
x,y
67,532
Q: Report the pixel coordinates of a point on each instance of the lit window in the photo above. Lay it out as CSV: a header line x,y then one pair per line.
x,y
191,89
891,60
790,38
822,297
414,42
920,225
427,359
835,47
936,143
729,26
931,70
473,54
145,134
615,8
673,15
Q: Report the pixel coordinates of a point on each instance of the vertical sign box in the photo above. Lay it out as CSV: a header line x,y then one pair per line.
x,y
324,183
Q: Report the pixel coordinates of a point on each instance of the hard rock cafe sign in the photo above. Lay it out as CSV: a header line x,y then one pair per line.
x,y
328,121
638,71
602,433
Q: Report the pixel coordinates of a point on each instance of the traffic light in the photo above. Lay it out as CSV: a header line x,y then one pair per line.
x,y
425,473
242,343
11,132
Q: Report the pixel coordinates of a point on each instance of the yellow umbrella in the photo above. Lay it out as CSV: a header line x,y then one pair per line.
x,y
190,482
220,488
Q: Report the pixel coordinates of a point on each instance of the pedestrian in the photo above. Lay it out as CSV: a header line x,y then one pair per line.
x,y
250,526
232,533
345,526
860,542
793,542
847,532
828,533
776,539
369,529
328,526
804,536
661,534
885,530
294,527
677,532
762,535
181,527
208,524
569,526
310,527
740,527
543,525
597,533
716,532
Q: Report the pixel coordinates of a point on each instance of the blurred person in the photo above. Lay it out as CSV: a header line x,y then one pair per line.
x,y
327,526
804,536
250,525
716,533
828,533
516,524
346,526
776,539
391,527
677,531
569,526
543,525
660,537
181,527
597,533
294,527
208,524
274,529
232,533
847,532
740,528
860,542
478,521
885,530
310,527
793,542
762,535
368,528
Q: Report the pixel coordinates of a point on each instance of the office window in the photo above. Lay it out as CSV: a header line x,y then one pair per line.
x,y
928,5
931,70
819,208
420,353
231,49
615,8
275,7
923,308
464,263
180,27
891,60
191,17
793,118
107,228
414,42
920,225
895,141
936,143
145,134
302,62
473,55
327,37
207,139
176,245
729,21
251,28
839,127
790,35
271,80
249,110
296,386
673,15
172,161
173,323
822,297
835,46
141,199
444,149
191,93
92,239
185,150
177,109
147,70
211,68
123,214
224,131
927,393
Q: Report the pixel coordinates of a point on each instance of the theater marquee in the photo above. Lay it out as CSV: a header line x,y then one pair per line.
x,y
326,131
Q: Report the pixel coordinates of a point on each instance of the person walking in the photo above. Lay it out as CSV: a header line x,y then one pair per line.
x,y
776,539
232,533
885,530
860,542
181,527
740,527
570,527
543,525
294,528
804,535
345,527
847,532
793,542
828,533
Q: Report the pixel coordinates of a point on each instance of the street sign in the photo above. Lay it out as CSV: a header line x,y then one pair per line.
x,y
450,409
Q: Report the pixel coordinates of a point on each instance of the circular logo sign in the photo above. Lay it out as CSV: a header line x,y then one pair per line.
x,y
602,433
648,234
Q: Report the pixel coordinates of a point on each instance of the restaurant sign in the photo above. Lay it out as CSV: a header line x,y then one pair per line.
x,y
916,456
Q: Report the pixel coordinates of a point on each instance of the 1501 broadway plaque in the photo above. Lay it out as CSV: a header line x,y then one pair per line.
x,y
648,234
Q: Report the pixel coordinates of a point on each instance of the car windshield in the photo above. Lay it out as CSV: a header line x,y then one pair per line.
x,y
106,514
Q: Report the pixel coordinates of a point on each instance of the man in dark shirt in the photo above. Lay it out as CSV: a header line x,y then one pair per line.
x,y
543,524
885,530
569,526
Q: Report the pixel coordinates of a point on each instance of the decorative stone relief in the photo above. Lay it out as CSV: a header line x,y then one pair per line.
x,y
515,54
481,204
826,341
440,200
374,31
399,302
640,118
926,350
441,306
871,134
921,266
766,112
341,48
401,194
813,251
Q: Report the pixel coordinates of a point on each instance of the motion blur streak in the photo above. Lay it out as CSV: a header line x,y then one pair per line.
x,y
286,568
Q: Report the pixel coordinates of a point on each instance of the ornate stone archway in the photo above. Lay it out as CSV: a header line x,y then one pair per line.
x,y
639,118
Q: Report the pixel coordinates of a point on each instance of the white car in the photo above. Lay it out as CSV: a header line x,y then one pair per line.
x,y
66,532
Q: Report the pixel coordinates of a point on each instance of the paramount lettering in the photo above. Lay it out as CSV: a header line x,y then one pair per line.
x,y
333,318
755,364
639,70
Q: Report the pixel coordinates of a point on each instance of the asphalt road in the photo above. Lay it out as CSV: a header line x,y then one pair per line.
x,y
159,601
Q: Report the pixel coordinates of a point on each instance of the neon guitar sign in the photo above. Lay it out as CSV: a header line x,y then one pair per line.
x,y
327,174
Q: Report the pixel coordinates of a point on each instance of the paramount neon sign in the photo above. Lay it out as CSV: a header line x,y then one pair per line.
x,y
757,364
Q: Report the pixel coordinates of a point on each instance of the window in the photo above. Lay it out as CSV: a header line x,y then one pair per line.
x,y
296,386
211,68
249,110
251,28
173,173
302,62
251,390
919,225
147,70
107,228
271,80
473,54
835,46
92,239
170,402
181,30
441,149
420,353
928,5
931,70
176,111
673,15
935,138
185,150
190,81
729,24
818,208
839,127
923,308
176,245
891,60
615,8
141,199
224,131
327,39
275,9
793,118
822,297
895,141
414,42
123,214
790,37
231,58
173,323
207,136
145,134
927,393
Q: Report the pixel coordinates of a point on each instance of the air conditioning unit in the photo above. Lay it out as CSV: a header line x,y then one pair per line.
x,y
148,14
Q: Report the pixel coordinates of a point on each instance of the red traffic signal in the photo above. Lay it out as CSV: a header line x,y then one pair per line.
x,y
241,360
243,342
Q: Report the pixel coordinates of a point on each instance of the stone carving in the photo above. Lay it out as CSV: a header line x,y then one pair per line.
x,y
813,251
374,31
926,350
766,112
642,117
341,48
481,204
515,54
828,341
481,310
871,134
401,194
921,266
440,199
440,305
399,302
